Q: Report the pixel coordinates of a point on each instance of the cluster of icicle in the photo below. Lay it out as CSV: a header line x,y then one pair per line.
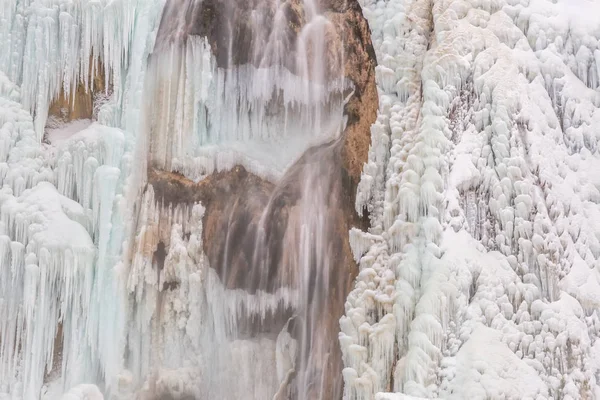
x,y
184,341
52,45
62,207
479,276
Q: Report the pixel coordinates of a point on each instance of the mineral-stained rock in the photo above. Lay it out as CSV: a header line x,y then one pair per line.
x,y
80,104
359,67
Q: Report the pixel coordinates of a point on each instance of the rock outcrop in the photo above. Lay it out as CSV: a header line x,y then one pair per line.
x,y
82,102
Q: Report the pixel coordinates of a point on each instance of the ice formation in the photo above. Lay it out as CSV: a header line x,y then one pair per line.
x,y
479,274
63,204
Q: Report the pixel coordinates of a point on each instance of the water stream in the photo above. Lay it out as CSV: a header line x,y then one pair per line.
x,y
263,90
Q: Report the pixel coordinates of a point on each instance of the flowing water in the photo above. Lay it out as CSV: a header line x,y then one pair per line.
x,y
259,85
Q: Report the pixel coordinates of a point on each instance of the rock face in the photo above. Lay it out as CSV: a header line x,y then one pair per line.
x,y
359,67
82,102
252,227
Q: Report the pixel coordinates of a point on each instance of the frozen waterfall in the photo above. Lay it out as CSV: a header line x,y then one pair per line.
x,y
299,199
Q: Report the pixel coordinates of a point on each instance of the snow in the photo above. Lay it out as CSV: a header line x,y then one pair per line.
x,y
62,132
83,392
487,368
479,202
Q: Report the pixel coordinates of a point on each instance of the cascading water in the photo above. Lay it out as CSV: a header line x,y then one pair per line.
x,y
266,105
274,87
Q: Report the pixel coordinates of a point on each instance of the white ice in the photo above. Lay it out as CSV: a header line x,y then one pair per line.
x,y
483,203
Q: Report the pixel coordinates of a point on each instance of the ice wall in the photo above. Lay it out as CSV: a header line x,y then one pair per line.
x,y
63,217
51,45
481,259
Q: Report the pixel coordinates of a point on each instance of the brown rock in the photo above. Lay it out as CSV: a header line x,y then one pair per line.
x,y
69,107
82,103
359,67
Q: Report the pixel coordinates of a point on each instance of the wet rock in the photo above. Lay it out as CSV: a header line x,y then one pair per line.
x,y
80,104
